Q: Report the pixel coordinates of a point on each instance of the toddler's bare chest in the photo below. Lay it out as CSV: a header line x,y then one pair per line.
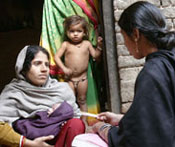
x,y
80,52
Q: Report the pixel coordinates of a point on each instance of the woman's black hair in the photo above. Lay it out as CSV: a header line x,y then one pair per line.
x,y
32,50
148,19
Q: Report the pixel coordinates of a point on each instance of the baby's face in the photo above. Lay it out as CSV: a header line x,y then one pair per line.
x,y
76,33
54,107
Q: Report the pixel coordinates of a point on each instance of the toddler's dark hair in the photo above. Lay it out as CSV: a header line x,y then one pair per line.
x,y
74,20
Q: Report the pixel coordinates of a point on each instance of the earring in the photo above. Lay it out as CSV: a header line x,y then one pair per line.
x,y
137,50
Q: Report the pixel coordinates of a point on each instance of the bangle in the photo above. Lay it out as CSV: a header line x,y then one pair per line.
x,y
106,125
99,48
21,143
103,132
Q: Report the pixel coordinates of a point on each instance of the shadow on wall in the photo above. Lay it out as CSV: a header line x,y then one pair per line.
x,y
20,25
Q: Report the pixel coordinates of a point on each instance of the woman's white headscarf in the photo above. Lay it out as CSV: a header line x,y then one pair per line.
x,y
22,99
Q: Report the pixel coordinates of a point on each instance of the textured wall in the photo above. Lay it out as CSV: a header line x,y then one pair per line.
x,y
127,65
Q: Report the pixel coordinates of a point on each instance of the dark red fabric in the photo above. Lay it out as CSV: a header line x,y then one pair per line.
x,y
87,11
72,128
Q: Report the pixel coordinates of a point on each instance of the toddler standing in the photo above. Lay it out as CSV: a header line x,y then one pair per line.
x,y
76,51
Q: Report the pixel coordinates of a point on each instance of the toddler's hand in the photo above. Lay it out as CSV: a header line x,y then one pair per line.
x,y
100,41
68,72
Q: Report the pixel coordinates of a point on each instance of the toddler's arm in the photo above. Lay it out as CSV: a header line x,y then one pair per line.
x,y
95,53
58,60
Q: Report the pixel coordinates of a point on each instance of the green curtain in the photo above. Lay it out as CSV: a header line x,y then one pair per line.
x,y
54,13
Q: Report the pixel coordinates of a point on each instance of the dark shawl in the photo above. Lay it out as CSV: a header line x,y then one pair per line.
x,y
150,121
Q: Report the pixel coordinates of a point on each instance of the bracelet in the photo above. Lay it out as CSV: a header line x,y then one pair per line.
x,y
106,125
102,131
99,48
21,143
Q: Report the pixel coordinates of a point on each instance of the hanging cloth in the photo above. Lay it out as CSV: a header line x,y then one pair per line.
x,y
54,13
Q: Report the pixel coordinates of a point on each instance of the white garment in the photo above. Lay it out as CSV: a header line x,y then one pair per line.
x,y
88,140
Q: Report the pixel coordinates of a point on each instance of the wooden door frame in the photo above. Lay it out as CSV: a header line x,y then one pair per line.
x,y
110,56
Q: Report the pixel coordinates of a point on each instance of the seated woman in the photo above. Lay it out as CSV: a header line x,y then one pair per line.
x,y
33,90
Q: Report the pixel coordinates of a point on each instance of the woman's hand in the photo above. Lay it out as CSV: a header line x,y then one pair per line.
x,y
102,129
110,117
97,126
39,142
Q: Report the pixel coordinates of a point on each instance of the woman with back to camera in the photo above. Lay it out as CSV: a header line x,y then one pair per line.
x,y
150,121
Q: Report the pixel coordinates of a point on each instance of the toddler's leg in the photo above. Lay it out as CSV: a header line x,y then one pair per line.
x,y
81,95
81,98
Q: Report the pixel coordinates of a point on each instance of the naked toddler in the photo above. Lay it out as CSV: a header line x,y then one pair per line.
x,y
76,51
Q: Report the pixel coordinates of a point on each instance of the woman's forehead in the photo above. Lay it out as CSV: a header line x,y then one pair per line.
x,y
41,56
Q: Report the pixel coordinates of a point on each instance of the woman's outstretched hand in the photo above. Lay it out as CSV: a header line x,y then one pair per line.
x,y
39,142
110,117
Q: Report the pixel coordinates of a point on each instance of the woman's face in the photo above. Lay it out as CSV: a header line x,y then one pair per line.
x,y
131,45
39,70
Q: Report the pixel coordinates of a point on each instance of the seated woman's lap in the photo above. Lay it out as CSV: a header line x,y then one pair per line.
x,y
72,128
